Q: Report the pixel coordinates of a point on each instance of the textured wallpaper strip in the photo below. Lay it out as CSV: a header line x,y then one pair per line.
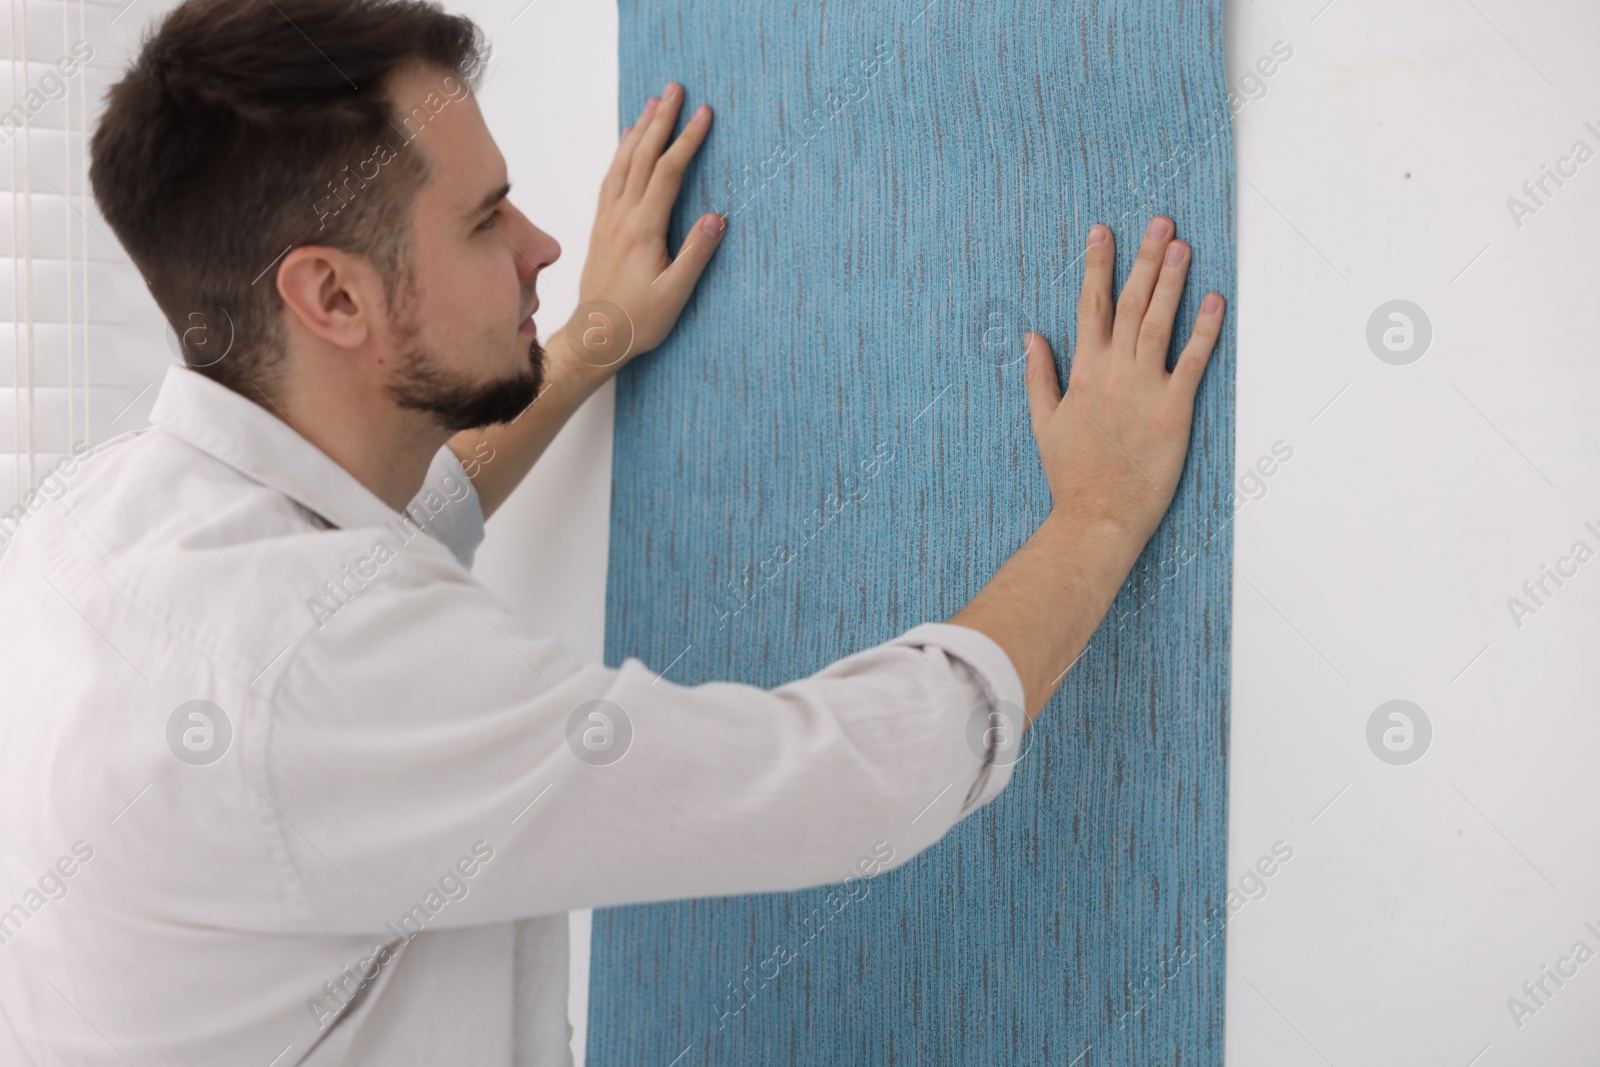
x,y
909,186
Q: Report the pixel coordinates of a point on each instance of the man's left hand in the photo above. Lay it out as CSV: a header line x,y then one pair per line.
x,y
628,265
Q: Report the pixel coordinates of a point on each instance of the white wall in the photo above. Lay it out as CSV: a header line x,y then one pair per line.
x,y
1418,499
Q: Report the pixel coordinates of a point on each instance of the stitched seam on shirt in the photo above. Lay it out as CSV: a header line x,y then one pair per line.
x,y
260,758
281,671
991,693
241,675
164,622
991,696
60,553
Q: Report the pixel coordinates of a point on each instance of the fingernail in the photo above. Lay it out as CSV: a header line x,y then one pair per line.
x,y
702,111
625,131
1158,228
714,225
1211,304
1175,253
650,107
1098,235
670,91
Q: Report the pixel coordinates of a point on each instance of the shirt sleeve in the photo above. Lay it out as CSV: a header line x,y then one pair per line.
x,y
425,732
448,508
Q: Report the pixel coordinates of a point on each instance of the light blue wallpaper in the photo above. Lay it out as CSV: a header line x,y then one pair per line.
x,y
834,446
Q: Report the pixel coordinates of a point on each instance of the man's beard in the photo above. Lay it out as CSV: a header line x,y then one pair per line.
x,y
460,403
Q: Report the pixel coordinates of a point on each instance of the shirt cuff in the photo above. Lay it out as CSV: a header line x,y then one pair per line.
x,y
987,664
447,507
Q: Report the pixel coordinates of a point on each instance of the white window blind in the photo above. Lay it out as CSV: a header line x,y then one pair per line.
x,y
81,340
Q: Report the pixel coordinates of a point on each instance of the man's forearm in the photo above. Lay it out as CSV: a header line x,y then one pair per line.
x,y
1045,603
497,458
630,268
1113,448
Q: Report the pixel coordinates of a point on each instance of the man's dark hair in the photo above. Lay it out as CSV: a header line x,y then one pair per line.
x,y
246,127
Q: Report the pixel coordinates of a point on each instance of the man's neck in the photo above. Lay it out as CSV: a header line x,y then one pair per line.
x,y
384,447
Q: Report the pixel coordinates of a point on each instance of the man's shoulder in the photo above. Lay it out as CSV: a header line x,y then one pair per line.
x,y
154,533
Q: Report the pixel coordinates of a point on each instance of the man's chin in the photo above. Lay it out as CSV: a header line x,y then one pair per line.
x,y
497,403
469,406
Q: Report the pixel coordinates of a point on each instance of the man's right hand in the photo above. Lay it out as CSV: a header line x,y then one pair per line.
x,y
1113,449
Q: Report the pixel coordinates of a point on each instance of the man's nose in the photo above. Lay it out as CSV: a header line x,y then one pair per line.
x,y
537,249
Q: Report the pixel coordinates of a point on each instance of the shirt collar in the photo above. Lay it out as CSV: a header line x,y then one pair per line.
x,y
249,438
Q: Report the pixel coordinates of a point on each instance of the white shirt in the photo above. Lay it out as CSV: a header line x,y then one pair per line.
x,y
360,851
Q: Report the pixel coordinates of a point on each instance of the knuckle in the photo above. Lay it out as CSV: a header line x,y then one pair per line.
x,y
1152,332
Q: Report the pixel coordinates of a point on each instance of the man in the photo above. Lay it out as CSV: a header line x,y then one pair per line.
x,y
283,784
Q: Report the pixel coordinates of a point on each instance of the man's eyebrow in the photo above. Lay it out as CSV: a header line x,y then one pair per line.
x,y
492,199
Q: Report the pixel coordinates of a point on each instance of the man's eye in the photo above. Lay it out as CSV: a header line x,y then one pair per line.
x,y
490,220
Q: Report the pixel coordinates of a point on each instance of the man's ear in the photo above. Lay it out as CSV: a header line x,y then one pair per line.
x,y
331,294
